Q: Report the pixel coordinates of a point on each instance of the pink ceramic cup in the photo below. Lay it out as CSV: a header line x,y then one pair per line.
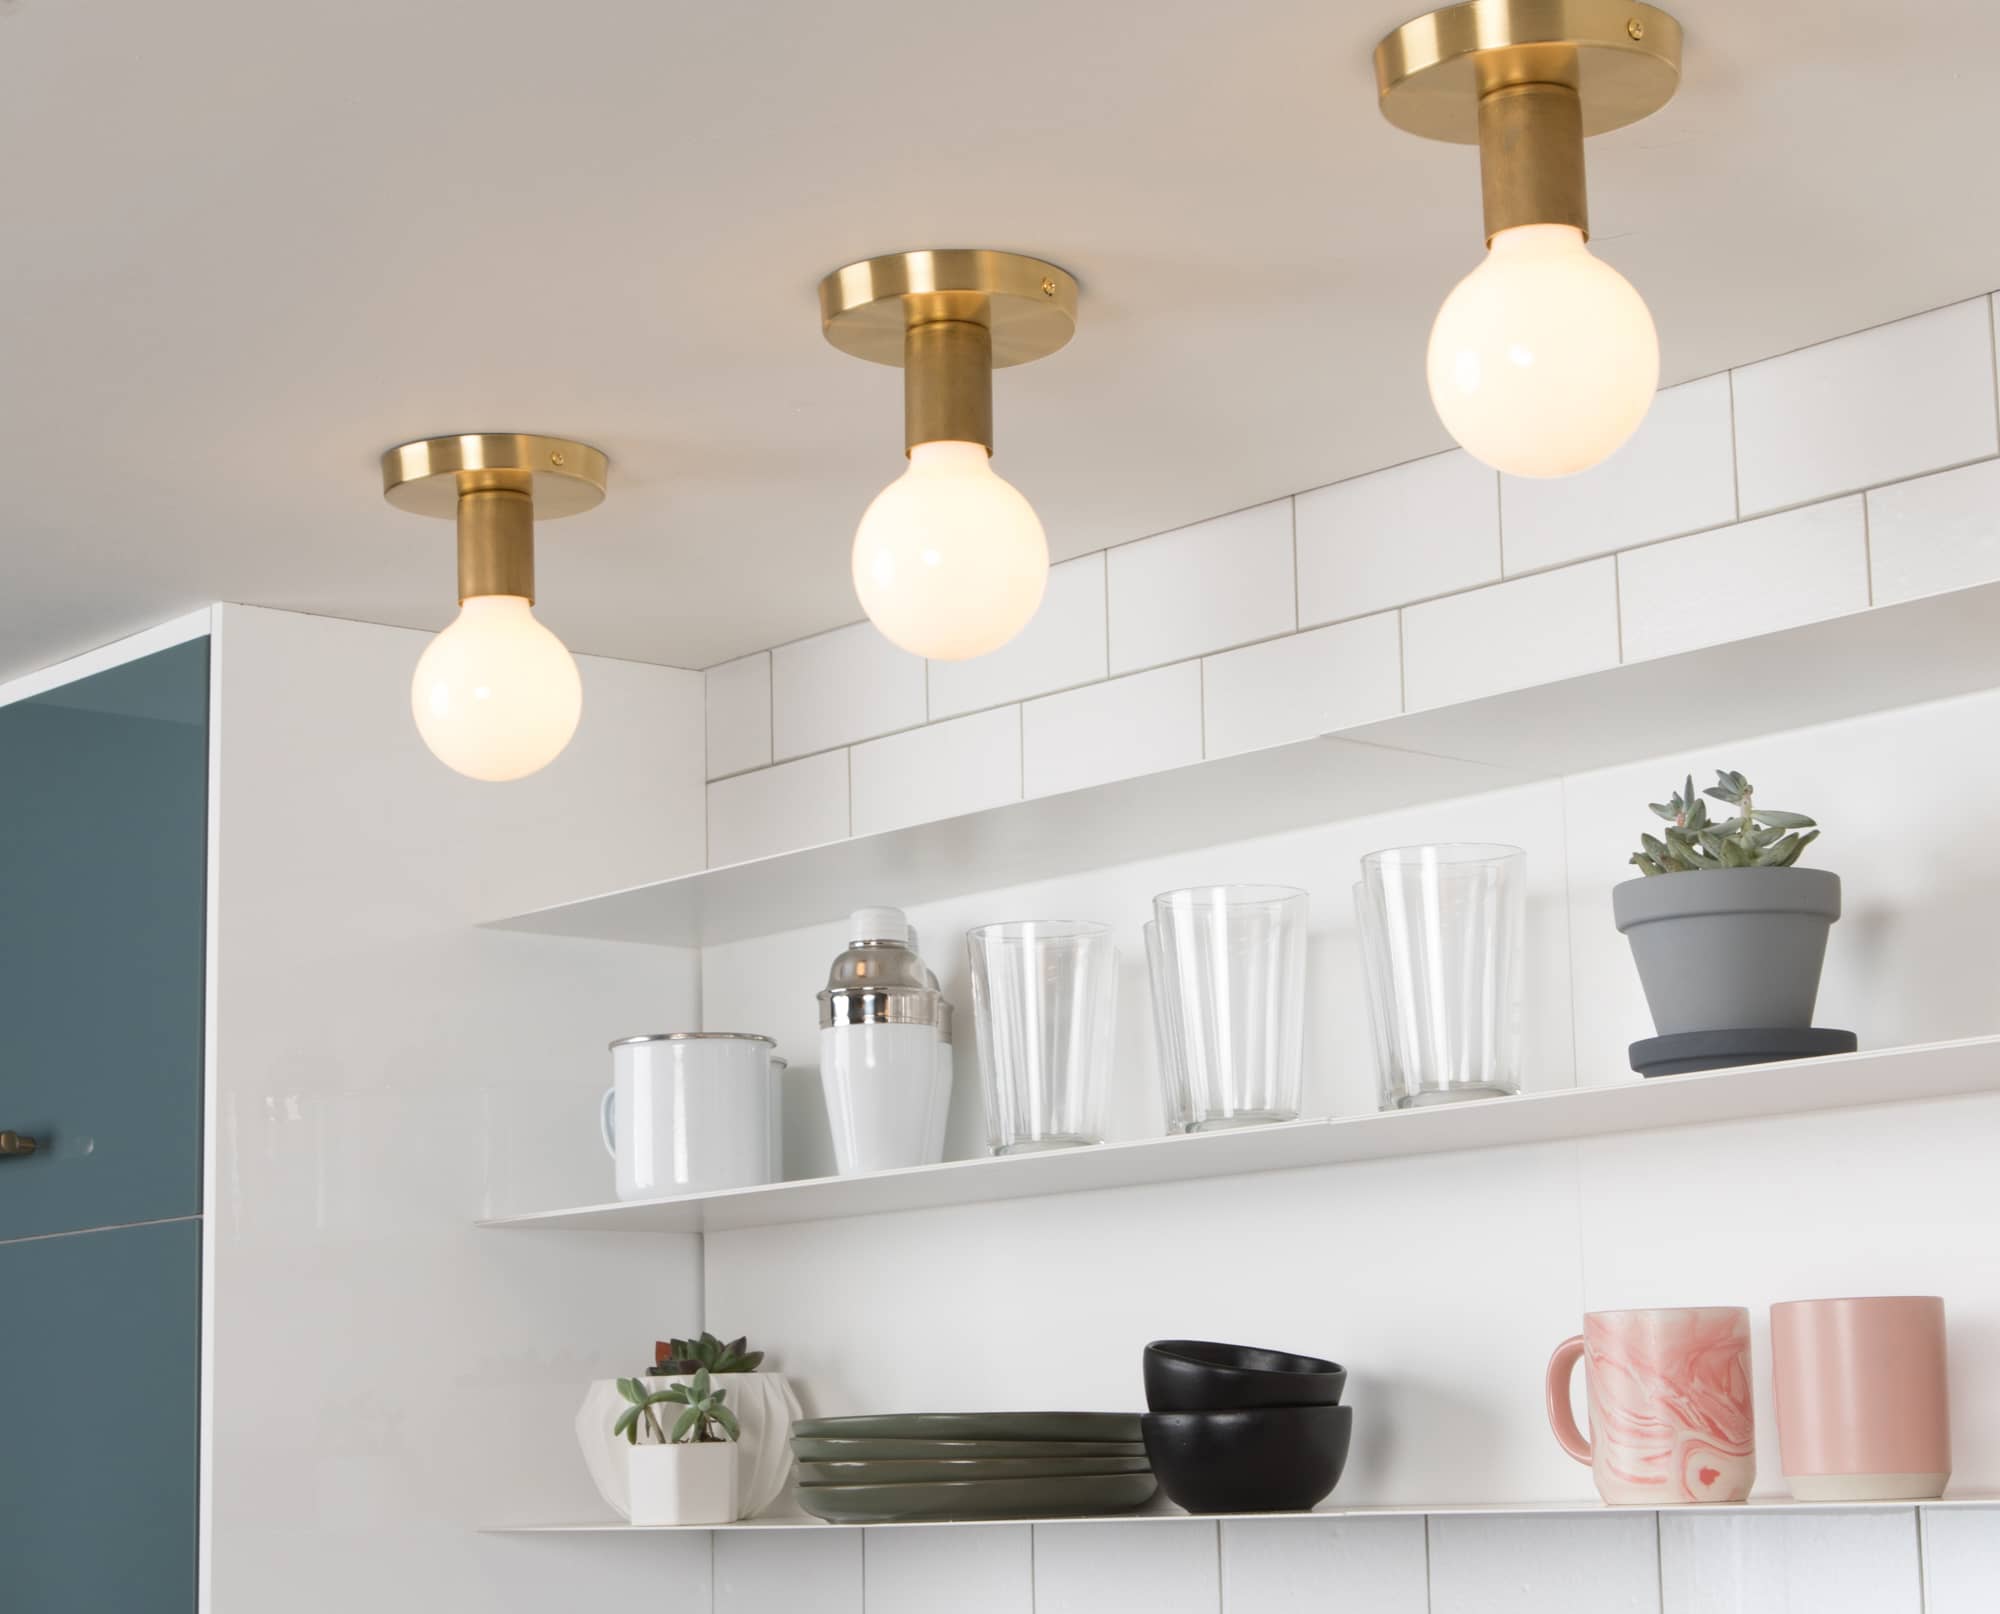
x,y
1669,1398
1863,1408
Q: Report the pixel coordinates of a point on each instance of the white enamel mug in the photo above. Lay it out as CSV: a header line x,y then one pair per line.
x,y
691,1111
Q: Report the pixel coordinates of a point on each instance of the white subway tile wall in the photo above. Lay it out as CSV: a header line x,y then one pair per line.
x,y
1132,1568
1545,1564
1936,533
1532,630
1144,723
781,809
1064,645
1677,474
1311,1566
968,1569
1206,587
777,1571
1879,412
839,687
1736,582
1877,406
940,771
739,715
1301,685
1961,1560
1429,527
1850,1563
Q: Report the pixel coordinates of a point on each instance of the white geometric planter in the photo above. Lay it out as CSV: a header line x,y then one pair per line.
x,y
686,1483
764,1407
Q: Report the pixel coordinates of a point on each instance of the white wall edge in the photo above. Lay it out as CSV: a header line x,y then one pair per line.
x,y
163,636
214,621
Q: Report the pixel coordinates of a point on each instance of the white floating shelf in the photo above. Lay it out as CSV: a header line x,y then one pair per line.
x,y
1886,1076
1164,1511
1872,661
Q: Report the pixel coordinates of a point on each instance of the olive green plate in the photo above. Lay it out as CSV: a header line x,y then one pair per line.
x,y
977,1426
821,1449
904,1471
977,1499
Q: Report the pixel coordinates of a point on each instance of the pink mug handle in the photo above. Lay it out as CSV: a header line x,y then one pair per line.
x,y
1561,1419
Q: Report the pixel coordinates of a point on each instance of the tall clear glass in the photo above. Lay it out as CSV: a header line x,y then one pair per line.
x,y
1443,939
1044,1001
1229,975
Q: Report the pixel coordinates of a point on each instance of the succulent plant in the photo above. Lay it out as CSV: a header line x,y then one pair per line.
x,y
702,1417
682,1356
1756,838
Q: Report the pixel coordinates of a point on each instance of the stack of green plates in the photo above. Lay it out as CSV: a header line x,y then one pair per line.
x,y
970,1465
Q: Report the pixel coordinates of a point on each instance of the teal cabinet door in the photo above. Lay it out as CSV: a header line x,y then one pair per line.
x,y
100,1353
103,846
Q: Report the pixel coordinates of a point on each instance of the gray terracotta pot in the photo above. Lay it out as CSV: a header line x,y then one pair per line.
x,y
1729,949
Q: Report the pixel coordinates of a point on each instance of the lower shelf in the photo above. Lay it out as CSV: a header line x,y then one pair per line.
x,y
1166,1512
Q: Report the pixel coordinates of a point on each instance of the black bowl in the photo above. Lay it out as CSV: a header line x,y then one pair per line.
x,y
1256,1460
1197,1375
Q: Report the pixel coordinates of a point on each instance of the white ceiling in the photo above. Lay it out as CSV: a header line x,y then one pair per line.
x,y
249,245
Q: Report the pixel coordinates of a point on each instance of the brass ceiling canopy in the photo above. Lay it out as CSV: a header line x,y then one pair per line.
x,y
495,484
1526,81
949,318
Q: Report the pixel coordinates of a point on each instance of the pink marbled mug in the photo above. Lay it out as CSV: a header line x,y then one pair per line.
x,y
1669,1398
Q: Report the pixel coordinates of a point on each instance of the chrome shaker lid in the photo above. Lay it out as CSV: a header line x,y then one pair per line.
x,y
879,980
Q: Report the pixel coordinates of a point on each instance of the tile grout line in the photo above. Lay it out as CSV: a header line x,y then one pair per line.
x,y
1219,1606
1735,450
1659,1565
1298,608
1428,1589
1618,603
1993,361
1923,1563
1868,551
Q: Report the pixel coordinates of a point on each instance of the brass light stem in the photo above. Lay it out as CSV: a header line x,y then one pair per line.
x,y
1531,157
948,383
496,543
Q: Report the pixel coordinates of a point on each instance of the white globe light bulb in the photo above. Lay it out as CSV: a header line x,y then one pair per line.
x,y
1544,359
949,560
496,696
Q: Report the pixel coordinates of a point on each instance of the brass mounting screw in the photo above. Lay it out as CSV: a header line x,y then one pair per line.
x,y
1048,288
555,456
1636,28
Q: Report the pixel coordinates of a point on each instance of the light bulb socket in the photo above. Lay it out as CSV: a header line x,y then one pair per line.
x,y
948,384
1531,157
496,544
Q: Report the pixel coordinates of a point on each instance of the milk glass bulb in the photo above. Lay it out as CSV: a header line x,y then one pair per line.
x,y
949,560
496,696
1544,359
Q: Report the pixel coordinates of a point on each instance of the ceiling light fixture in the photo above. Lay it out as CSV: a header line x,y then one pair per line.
x,y
496,696
950,560
1544,359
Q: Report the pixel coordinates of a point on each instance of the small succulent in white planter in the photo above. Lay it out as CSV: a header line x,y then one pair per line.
x,y
759,1397
1728,933
683,1472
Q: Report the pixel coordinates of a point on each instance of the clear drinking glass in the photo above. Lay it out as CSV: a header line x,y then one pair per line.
x,y
1044,1001
1229,974
1443,933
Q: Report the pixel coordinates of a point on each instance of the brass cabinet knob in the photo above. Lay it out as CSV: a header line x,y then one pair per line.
x,y
16,1143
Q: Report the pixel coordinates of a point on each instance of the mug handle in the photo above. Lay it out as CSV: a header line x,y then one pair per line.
x,y
1561,1366
607,1121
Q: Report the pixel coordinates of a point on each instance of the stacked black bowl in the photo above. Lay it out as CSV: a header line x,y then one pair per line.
x,y
1235,1429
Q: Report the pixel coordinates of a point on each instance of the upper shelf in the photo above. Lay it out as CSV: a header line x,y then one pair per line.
x,y
1872,661
1935,1070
